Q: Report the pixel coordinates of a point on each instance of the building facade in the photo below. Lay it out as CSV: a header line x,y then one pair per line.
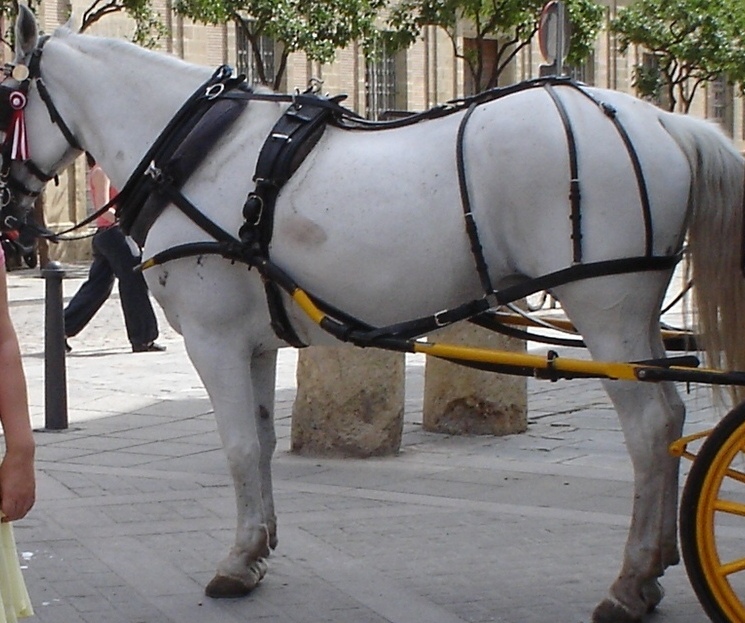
x,y
418,78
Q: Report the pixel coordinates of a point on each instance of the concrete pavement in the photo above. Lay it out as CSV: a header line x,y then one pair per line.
x,y
135,506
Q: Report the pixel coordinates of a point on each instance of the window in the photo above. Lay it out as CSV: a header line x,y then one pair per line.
x,y
380,83
585,71
245,60
489,50
721,103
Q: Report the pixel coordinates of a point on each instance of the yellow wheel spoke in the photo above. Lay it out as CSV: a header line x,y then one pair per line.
x,y
736,475
732,508
732,567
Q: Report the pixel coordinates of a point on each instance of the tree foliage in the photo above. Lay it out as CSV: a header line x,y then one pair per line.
x,y
693,41
510,24
149,27
316,27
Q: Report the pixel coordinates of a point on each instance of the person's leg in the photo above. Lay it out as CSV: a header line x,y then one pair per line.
x,y
139,317
91,295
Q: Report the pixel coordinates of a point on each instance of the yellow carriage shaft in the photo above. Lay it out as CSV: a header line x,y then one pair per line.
x,y
552,366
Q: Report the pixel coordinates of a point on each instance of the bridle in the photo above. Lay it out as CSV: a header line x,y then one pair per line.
x,y
13,100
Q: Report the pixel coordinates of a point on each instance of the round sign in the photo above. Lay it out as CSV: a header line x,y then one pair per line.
x,y
554,32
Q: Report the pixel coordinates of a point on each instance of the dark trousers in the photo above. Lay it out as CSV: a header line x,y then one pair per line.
x,y
113,259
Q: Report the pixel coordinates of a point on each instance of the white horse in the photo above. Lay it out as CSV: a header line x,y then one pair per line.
x,y
372,222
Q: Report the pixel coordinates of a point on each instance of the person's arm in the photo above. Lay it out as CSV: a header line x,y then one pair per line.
x,y
100,184
17,480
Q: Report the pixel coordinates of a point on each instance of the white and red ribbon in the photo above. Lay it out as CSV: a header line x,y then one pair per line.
x,y
17,130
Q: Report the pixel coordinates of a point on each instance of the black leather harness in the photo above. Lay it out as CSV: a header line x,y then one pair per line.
x,y
215,106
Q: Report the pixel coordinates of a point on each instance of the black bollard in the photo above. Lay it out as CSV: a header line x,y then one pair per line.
x,y
55,372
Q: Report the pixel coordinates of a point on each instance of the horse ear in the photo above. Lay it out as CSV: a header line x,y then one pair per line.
x,y
27,32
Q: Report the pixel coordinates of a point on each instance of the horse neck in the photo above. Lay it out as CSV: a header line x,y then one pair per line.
x,y
117,97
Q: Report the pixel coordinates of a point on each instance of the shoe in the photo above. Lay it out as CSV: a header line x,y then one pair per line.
x,y
68,348
150,347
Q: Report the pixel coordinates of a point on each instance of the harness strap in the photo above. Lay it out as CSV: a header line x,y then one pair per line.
x,y
34,69
473,235
138,186
574,188
473,309
397,336
641,183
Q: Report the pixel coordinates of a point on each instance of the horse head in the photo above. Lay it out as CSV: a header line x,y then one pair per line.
x,y
36,142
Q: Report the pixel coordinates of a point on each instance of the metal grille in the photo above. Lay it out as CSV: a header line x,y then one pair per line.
x,y
380,83
585,71
721,96
245,61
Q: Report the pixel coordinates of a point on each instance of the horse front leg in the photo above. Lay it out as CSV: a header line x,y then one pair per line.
x,y
263,378
228,376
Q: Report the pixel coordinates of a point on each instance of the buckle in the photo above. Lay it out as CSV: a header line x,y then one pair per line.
x,y
214,91
253,209
153,171
437,316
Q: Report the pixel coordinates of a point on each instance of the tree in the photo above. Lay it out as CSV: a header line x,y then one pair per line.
x,y
316,27
148,25
509,26
693,42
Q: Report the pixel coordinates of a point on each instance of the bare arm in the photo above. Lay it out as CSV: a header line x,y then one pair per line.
x,y
17,481
100,185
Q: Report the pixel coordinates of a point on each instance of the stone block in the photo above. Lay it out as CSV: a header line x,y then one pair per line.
x,y
349,403
464,401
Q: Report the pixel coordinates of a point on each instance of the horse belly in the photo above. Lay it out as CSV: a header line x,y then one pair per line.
x,y
373,224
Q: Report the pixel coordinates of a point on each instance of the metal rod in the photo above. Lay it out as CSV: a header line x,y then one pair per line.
x,y
55,372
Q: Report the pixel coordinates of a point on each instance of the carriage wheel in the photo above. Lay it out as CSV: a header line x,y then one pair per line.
x,y
712,521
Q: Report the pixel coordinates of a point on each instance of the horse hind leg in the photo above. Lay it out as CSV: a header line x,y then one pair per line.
x,y
619,319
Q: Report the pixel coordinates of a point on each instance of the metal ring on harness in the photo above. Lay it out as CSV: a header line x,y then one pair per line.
x,y
214,90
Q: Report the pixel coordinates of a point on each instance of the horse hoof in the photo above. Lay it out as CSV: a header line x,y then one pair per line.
x,y
231,587
610,611
652,594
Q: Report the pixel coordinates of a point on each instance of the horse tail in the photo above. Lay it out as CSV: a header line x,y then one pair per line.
x,y
715,238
